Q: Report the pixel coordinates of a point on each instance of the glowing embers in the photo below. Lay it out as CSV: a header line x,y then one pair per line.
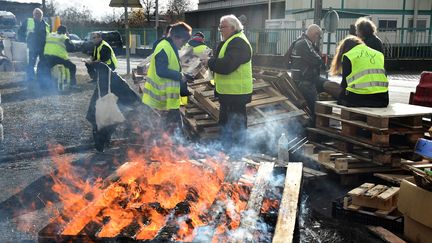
x,y
164,199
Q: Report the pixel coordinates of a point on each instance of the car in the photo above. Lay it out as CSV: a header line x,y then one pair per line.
x,y
78,42
113,38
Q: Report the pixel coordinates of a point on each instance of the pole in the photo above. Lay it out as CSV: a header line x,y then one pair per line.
x,y
157,18
317,12
328,52
125,2
44,8
269,9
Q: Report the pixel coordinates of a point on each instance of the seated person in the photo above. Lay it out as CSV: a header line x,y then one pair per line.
x,y
56,51
364,82
102,52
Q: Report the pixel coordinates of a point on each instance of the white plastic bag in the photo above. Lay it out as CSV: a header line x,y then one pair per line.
x,y
107,111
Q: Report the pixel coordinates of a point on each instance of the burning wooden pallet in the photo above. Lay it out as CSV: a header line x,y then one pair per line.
x,y
144,202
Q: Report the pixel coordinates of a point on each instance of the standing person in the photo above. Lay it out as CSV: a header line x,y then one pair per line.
x,y
232,67
56,52
366,30
34,31
306,63
197,43
364,83
162,88
102,52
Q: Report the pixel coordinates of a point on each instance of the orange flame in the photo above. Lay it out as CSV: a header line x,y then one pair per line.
x,y
168,188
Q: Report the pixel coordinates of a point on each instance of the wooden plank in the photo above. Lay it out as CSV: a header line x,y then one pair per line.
x,y
353,122
385,235
266,101
389,193
375,191
393,178
392,110
261,182
361,189
288,208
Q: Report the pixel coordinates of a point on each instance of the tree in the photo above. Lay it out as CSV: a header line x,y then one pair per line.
x,y
51,9
176,9
137,18
148,6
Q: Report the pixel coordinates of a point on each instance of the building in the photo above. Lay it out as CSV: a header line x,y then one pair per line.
x,y
254,12
20,9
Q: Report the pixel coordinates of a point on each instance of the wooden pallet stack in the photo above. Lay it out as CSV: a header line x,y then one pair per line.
x,y
268,106
366,140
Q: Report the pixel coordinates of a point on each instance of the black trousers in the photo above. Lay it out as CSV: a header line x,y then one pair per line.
x,y
33,56
51,61
232,123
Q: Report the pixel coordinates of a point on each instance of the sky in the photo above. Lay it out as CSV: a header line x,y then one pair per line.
x,y
99,8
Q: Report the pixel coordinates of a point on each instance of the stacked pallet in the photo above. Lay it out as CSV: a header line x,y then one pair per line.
x,y
373,139
268,106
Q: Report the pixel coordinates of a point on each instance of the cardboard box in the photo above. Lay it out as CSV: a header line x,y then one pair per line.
x,y
415,232
416,203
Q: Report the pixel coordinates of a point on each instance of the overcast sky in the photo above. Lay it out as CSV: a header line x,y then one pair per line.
x,y
98,7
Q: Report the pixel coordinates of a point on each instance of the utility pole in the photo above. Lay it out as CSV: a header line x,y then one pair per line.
x,y
157,18
126,3
317,12
269,9
44,7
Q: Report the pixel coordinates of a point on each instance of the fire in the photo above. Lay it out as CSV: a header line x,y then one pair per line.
x,y
159,191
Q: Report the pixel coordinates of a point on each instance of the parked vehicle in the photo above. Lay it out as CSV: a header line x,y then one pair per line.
x,y
78,42
113,38
7,25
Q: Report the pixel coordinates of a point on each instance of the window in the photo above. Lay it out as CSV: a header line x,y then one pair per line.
x,y
387,25
421,24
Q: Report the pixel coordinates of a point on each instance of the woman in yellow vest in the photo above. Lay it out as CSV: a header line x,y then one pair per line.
x,y
162,87
232,67
364,81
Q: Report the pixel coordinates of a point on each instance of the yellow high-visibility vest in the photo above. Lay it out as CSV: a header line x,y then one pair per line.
x,y
239,81
97,50
55,45
161,93
368,73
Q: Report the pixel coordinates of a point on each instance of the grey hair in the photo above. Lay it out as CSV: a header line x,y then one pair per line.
x,y
38,10
233,21
312,29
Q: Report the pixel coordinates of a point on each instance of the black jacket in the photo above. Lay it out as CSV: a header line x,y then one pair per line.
x,y
237,53
350,99
374,42
306,60
36,39
105,55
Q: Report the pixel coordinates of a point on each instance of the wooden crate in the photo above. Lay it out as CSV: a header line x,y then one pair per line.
x,y
376,126
368,195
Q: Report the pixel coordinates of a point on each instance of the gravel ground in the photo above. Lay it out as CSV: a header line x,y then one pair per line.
x,y
34,118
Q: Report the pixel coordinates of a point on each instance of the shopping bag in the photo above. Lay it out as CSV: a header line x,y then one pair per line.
x,y
107,110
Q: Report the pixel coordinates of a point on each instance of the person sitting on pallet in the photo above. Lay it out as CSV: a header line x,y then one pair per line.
x,y
364,81
56,51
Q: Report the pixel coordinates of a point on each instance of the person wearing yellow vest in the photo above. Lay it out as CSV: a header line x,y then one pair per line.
x,y
232,67
197,43
34,31
364,81
56,51
102,52
162,88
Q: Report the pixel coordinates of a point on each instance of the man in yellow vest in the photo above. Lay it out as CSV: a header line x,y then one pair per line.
x,y
56,52
162,87
34,31
197,43
102,52
232,67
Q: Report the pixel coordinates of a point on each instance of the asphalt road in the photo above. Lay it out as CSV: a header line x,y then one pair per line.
x,y
25,180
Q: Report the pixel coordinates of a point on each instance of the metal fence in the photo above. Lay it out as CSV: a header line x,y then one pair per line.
x,y
400,43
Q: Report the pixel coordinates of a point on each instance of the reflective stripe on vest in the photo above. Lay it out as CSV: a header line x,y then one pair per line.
x,y
161,93
368,73
239,81
55,46
113,58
